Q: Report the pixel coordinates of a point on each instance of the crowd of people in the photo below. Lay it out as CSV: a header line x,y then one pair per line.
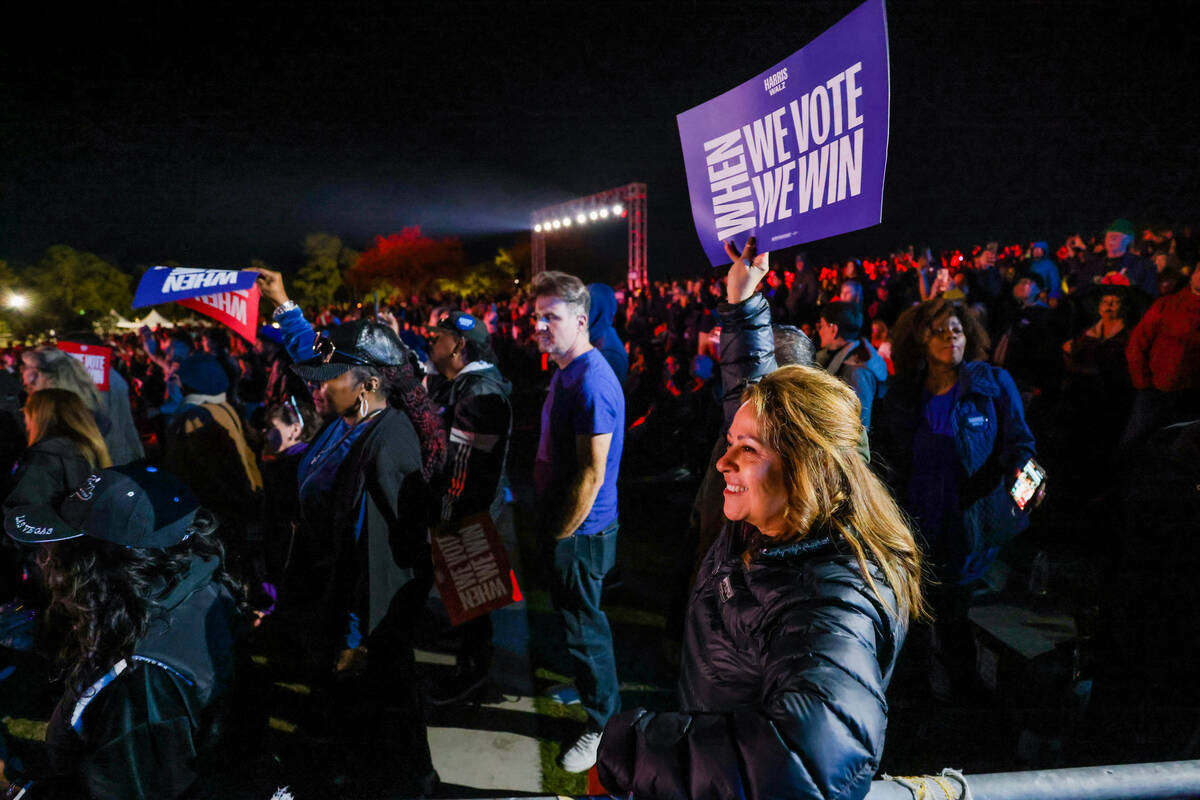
x,y
855,430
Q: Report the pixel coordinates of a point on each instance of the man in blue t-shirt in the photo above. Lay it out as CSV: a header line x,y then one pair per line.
x,y
579,455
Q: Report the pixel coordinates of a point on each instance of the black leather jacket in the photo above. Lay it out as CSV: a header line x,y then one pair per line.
x,y
784,669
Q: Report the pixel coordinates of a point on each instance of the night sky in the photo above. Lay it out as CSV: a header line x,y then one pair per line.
x,y
210,134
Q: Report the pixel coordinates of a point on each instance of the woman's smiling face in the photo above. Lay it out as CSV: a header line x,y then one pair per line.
x,y
754,487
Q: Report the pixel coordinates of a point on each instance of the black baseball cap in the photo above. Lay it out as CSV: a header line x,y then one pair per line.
x,y
133,505
465,325
357,343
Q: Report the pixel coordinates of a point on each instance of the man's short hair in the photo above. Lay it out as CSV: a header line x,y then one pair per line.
x,y
846,316
567,288
792,346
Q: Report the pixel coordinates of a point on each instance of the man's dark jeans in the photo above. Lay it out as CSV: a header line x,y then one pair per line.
x,y
580,564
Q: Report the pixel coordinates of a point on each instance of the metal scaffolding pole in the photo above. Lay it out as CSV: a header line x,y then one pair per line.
x,y
631,198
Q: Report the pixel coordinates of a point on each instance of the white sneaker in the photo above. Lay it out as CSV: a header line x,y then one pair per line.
x,y
581,756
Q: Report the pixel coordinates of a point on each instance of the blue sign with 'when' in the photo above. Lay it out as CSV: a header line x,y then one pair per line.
x,y
168,284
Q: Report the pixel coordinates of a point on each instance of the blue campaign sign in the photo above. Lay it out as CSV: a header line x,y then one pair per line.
x,y
168,284
799,152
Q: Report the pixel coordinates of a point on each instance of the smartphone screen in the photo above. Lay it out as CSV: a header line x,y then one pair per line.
x,y
1028,481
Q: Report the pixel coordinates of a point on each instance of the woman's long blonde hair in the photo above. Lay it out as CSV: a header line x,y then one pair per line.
x,y
60,412
811,419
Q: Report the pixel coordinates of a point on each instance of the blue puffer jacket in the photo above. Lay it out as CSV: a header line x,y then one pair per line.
x,y
993,442
784,670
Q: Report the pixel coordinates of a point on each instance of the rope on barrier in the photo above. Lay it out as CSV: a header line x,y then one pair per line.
x,y
949,784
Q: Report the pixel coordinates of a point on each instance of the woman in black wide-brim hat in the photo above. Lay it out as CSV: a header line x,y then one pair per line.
x,y
365,480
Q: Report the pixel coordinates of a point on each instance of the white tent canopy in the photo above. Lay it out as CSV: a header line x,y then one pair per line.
x,y
152,320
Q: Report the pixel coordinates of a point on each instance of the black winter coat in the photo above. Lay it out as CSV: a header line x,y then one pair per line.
x,y
379,486
784,670
152,730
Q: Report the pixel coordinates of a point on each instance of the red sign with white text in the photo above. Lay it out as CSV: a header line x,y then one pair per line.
x,y
95,359
237,311
472,570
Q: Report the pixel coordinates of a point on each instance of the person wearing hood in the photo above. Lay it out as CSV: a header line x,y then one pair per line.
x,y
849,356
473,399
600,329
1046,270
148,657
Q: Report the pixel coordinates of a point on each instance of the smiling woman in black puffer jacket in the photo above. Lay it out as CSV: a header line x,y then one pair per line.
x,y
796,618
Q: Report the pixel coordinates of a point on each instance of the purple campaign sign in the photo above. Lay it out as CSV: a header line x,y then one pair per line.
x,y
799,152
168,284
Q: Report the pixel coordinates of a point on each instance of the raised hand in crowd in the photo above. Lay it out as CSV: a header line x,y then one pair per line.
x,y
388,318
270,285
748,269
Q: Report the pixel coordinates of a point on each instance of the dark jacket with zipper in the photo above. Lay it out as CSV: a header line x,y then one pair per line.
x,y
992,441
152,730
477,416
784,670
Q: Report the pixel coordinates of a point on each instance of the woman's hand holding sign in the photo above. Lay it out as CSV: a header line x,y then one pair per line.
x,y
270,284
746,272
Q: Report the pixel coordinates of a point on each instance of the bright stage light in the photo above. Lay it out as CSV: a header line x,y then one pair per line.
x,y
604,213
17,301
617,209
580,218
566,221
537,228
557,224
593,216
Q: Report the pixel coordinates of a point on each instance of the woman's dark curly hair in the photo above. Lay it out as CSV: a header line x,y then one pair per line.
x,y
108,594
404,390
909,334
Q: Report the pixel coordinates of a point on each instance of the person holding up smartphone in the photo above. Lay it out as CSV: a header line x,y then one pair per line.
x,y
952,432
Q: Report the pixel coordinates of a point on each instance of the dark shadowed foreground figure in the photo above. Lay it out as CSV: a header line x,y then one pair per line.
x,y
132,566
798,613
364,484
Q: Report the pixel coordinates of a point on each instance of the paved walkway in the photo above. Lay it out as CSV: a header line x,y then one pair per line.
x,y
491,747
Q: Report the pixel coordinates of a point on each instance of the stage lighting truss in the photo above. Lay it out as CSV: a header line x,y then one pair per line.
x,y
626,202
